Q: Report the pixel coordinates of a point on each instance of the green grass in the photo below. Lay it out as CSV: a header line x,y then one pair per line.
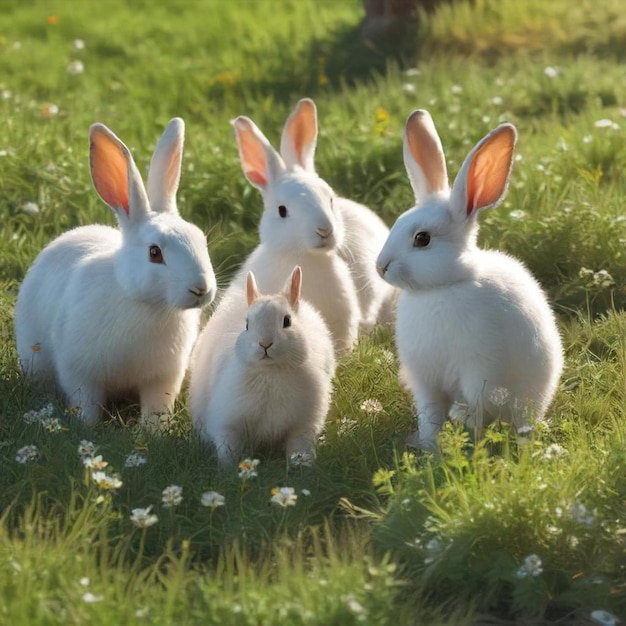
x,y
383,536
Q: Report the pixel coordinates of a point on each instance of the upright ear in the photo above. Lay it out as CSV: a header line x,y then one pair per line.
x,y
484,175
165,166
261,164
424,159
252,291
299,138
115,175
295,286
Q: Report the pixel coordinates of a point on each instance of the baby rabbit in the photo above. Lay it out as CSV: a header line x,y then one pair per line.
x,y
102,312
264,379
472,325
300,225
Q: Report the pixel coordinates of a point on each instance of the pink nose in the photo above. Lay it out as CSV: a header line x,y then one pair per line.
x,y
266,345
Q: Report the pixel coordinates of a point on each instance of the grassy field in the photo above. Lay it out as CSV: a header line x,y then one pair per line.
x,y
511,529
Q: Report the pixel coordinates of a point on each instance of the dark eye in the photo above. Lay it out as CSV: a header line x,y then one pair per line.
x,y
282,210
421,240
155,255
287,321
246,323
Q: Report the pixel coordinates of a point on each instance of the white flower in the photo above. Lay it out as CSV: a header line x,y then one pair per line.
x,y
27,454
30,417
247,468
605,123
172,496
78,44
433,549
551,72
497,100
212,499
555,451
301,459
346,425
412,71
305,492
587,139
354,606
579,513
456,89
106,482
142,518
84,581
91,598
604,618
31,208
52,424
94,462
408,88
284,496
86,448
74,68
532,566
371,406
135,459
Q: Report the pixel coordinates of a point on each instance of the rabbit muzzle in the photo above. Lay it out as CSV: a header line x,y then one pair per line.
x,y
327,239
266,345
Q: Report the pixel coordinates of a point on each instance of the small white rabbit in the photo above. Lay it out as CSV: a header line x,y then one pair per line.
x,y
265,378
473,325
103,312
299,226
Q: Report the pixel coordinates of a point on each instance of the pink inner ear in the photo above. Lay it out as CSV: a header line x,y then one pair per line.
x,y
256,178
109,170
489,170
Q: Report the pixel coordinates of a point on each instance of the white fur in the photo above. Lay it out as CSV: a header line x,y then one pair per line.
x,y
470,322
239,399
94,315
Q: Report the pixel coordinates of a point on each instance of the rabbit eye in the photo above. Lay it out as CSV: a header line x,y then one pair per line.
x,y
155,255
421,240
287,321
246,324
282,210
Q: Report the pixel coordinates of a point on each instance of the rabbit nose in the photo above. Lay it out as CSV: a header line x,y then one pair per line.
x,y
199,291
266,345
324,233
382,269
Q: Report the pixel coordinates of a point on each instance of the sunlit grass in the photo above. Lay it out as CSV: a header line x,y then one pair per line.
x,y
368,535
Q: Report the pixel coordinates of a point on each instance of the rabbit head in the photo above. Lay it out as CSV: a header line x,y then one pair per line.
x,y
163,259
299,207
272,335
431,244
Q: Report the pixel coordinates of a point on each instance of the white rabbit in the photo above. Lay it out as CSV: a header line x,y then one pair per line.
x,y
299,226
102,312
265,378
365,232
473,326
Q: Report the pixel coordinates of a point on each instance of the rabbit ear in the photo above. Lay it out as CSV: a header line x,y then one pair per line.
x,y
252,291
165,166
424,159
484,175
295,286
115,175
299,138
260,163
